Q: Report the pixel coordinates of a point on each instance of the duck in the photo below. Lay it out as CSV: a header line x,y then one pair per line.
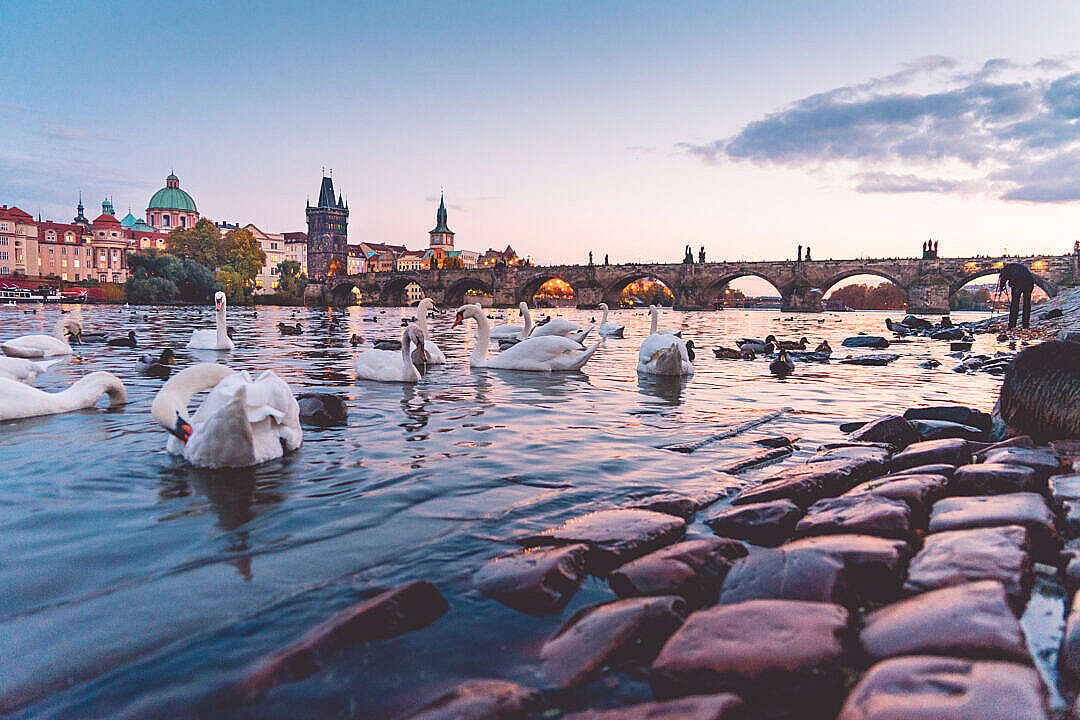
x,y
355,340
218,338
782,366
22,369
88,337
19,400
158,367
386,344
744,353
390,366
548,353
824,347
662,353
515,332
290,329
760,347
128,341
241,423
607,329
40,346
432,354
788,344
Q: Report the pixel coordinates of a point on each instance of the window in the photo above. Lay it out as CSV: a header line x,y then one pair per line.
x,y
76,263
63,276
89,253
183,221
3,255
102,277
63,251
165,220
50,251
114,234
5,271
3,241
4,226
70,237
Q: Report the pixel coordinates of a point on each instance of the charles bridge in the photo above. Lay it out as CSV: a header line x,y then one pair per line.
x,y
928,282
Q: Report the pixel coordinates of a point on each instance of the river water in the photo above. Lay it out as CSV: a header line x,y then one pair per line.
x,y
132,585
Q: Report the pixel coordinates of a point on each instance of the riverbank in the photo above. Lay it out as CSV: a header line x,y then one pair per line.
x,y
1060,314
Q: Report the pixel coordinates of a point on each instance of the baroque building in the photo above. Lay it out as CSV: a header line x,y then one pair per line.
x,y
327,235
170,207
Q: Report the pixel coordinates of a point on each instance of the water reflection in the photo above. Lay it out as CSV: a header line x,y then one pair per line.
x,y
666,387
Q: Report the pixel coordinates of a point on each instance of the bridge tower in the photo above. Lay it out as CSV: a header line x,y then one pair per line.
x,y
328,233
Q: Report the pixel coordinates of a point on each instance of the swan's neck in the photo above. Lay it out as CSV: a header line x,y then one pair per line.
x,y
173,398
603,318
421,320
483,336
655,315
59,330
527,325
85,391
222,330
406,351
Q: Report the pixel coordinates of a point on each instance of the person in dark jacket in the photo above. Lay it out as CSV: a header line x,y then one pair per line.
x,y
1021,284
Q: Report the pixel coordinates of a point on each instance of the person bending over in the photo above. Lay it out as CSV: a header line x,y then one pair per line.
x,y
1021,284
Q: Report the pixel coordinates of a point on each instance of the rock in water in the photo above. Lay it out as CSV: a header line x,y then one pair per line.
x,y
866,341
724,706
538,582
479,699
1041,393
322,409
873,360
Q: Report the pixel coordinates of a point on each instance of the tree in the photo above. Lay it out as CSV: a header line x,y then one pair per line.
x,y
238,287
243,261
202,243
885,296
291,282
166,278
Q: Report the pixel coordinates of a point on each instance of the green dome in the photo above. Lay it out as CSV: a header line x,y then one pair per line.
x,y
129,220
171,197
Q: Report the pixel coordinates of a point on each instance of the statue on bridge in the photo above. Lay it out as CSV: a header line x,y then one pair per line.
x,y
688,258
800,254
807,253
701,255
590,257
605,259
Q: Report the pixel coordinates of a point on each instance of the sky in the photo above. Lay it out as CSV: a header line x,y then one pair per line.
x,y
626,128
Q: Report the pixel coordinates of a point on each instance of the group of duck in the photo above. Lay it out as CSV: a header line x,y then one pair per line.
x,y
245,421
784,353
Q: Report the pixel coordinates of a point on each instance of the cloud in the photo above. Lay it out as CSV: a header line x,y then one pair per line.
x,y
1014,127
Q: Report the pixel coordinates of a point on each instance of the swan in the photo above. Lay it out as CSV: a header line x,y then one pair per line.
x,y
432,354
390,366
21,369
39,346
240,423
609,329
538,354
663,353
22,401
217,339
515,332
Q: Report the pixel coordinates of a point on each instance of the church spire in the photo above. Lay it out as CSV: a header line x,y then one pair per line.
x,y
440,218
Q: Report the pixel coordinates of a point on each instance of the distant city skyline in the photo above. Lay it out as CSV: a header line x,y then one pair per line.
x,y
559,128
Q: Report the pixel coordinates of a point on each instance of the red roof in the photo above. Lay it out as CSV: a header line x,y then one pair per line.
x,y
60,229
14,213
105,220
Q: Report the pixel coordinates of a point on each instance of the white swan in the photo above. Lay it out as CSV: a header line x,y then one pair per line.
x,y
22,401
239,424
662,353
563,328
607,329
538,354
515,332
23,370
389,365
218,338
39,346
432,354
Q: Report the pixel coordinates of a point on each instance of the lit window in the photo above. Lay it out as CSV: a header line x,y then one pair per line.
x,y
63,276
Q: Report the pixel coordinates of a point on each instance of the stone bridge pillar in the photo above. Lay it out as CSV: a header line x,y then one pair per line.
x,y
315,295
589,297
801,298
928,299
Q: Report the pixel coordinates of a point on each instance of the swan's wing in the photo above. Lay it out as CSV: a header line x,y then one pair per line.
x,y
271,397
382,365
224,438
541,349
653,344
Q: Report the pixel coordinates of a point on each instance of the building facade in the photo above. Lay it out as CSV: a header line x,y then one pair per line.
x,y
170,207
18,242
357,260
296,249
327,235
410,262
273,245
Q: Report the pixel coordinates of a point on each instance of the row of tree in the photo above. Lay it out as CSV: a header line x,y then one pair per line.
x,y
885,296
199,261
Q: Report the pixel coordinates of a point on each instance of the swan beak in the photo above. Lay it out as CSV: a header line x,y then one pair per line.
x,y
182,429
217,305
457,321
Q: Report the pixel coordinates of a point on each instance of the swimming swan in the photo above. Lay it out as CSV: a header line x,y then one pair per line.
x,y
662,353
390,366
515,332
432,353
607,329
240,423
39,346
538,354
22,401
217,339
23,370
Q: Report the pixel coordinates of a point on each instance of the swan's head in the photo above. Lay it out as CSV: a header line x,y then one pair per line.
x,y
69,329
523,307
603,306
414,335
219,301
468,311
181,429
424,306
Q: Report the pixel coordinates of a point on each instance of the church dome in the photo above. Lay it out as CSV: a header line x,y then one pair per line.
x,y
129,220
171,197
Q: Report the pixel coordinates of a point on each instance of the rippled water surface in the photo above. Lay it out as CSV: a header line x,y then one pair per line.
x,y
132,585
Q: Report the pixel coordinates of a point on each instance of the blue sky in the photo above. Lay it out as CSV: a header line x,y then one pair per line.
x,y
559,127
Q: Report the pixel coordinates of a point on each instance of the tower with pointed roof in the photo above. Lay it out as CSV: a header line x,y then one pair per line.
x,y
441,237
80,218
328,234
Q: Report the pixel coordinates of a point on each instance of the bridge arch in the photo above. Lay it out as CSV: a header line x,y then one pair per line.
x,y
892,300
613,291
455,293
532,285
1047,287
708,295
344,293
394,289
